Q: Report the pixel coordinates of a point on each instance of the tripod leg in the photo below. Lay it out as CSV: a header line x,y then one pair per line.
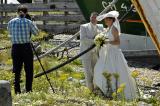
x,y
42,68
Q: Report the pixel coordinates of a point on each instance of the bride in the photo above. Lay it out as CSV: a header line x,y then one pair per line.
x,y
112,61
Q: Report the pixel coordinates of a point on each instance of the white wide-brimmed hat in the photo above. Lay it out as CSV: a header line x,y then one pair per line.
x,y
113,14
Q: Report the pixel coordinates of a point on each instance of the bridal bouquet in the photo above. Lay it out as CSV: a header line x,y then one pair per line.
x,y
99,40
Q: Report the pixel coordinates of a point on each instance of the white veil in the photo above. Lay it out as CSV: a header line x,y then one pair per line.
x,y
113,14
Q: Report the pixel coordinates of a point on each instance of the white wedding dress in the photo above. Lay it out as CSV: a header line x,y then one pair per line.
x,y
112,60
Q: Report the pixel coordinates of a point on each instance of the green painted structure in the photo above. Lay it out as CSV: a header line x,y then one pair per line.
x,y
132,23
24,1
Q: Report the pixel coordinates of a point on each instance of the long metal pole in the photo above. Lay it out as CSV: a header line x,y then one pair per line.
x,y
42,68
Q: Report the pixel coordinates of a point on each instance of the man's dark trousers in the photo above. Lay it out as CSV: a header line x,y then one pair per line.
x,y
22,54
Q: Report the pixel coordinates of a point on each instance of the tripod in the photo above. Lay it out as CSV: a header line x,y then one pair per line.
x,y
42,68
29,17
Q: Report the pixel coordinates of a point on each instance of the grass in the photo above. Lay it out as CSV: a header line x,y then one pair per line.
x,y
69,91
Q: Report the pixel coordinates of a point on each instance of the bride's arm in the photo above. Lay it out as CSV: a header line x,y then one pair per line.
x,y
115,34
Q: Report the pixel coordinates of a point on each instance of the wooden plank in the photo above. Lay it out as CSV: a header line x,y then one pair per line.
x,y
49,26
42,5
39,7
56,1
70,28
61,27
50,18
60,18
45,13
67,30
1,13
5,18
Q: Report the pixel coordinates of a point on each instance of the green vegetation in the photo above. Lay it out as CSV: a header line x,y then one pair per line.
x,y
68,84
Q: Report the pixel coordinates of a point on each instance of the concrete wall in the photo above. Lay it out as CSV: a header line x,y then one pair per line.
x,y
135,42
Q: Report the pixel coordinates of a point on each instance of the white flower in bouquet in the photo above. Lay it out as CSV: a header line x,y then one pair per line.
x,y
99,39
